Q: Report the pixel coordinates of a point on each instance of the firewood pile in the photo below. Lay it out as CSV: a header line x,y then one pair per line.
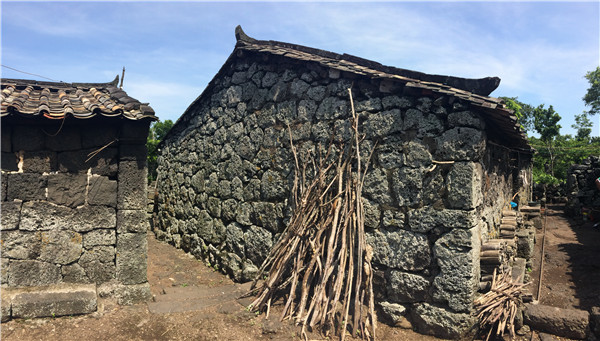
x,y
498,308
321,265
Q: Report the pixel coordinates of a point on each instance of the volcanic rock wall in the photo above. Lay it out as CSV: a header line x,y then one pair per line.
x,y
73,211
434,190
583,194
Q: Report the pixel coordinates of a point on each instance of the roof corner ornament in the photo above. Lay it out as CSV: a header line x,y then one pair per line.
x,y
115,81
240,35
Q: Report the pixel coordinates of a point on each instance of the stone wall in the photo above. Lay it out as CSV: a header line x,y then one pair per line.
x,y
225,174
583,195
69,216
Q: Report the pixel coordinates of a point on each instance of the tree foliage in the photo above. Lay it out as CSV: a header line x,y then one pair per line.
x,y
523,112
158,131
583,124
592,97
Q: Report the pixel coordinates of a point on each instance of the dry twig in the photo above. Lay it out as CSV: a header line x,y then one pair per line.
x,y
322,264
498,307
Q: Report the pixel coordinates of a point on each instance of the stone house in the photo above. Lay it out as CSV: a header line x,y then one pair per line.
x,y
448,159
74,181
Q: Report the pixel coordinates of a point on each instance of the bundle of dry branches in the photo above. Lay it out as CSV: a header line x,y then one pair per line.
x,y
499,306
321,265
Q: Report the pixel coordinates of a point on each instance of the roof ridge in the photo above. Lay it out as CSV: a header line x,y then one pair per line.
x,y
34,82
480,86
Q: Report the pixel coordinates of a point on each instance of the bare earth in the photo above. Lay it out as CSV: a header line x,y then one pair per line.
x,y
173,271
571,265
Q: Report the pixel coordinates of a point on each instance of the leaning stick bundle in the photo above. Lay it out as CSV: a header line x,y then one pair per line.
x,y
498,307
322,264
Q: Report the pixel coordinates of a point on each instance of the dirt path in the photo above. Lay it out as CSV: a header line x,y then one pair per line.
x,y
205,302
571,265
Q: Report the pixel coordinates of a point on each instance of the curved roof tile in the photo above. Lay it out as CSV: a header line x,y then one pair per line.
x,y
57,100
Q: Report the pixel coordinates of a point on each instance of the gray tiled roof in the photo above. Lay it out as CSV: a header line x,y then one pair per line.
x,y
475,91
57,100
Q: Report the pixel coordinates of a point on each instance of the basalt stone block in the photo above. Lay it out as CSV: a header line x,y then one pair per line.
x,y
46,216
457,255
268,215
234,240
132,221
408,186
21,244
102,191
99,272
273,186
400,249
103,254
27,138
425,124
403,287
11,215
26,186
132,188
433,320
131,261
99,137
461,144
209,229
68,138
4,264
60,247
80,161
392,312
55,301
67,189
9,162
99,237
465,119
427,218
258,242
332,108
28,273
377,187
416,155
383,124
134,131
74,273
133,152
464,184
126,294
39,162
3,186
372,214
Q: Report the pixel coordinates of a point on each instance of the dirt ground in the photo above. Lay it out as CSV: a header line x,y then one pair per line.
x,y
170,267
571,280
571,262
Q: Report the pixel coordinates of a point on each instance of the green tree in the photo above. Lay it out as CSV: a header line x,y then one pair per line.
x,y
522,111
584,127
158,131
545,122
592,97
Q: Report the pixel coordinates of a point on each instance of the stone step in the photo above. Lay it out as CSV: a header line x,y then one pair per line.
x,y
58,300
509,213
530,209
518,270
569,323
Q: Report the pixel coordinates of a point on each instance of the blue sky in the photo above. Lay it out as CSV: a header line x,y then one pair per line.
x,y
541,51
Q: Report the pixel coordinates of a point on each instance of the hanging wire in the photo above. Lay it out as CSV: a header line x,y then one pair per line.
x,y
32,74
